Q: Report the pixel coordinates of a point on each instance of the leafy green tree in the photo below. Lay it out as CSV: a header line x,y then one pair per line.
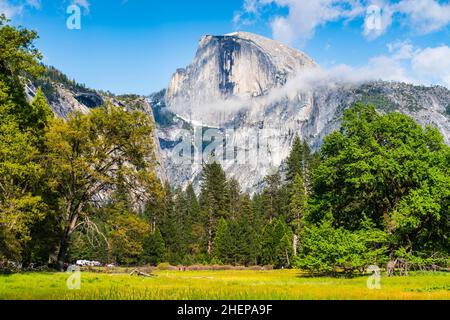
x,y
90,154
20,208
19,60
330,250
127,237
40,113
390,170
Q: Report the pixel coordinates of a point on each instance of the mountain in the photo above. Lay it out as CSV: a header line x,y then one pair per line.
x,y
228,70
248,88
246,84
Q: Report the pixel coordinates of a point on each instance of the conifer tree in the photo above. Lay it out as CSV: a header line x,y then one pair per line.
x,y
154,248
213,200
222,242
299,162
271,196
297,209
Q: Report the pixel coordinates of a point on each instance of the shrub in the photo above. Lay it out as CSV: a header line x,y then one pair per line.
x,y
164,266
327,250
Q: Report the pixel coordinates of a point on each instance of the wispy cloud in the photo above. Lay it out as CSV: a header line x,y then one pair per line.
x,y
403,63
305,16
11,9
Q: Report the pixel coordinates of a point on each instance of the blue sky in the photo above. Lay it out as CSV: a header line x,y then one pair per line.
x,y
134,46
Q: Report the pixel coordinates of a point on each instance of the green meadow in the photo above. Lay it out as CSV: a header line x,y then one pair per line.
x,y
222,285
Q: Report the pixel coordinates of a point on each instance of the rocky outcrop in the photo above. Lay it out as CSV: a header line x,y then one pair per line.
x,y
245,86
228,70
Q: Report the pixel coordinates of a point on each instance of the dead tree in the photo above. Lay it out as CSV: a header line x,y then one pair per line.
x,y
390,268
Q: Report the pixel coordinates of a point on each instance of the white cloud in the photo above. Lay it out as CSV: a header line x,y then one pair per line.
x,y
401,50
425,15
432,65
305,16
429,66
10,10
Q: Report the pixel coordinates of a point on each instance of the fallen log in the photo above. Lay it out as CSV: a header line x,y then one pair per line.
x,y
141,274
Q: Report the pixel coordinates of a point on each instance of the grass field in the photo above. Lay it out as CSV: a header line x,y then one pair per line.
x,y
221,285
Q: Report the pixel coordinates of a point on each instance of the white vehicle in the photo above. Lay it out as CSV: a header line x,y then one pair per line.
x,y
87,263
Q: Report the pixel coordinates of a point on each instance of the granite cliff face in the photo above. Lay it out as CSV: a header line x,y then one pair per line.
x,y
228,70
258,94
252,85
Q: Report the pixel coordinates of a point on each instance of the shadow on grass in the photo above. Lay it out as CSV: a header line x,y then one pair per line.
x,y
337,275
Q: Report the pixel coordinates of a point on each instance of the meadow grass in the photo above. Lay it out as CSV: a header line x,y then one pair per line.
x,y
221,285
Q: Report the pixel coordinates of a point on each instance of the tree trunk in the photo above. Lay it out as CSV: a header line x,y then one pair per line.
x,y
63,250
65,240
294,244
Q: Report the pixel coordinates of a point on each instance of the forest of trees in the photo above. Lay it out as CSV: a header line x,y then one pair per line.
x,y
378,190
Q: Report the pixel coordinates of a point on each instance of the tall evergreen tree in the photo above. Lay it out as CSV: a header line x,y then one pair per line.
x,y
234,194
197,235
299,161
154,248
222,242
297,209
272,196
213,199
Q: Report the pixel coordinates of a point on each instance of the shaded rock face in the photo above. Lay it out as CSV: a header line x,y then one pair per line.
x,y
90,100
63,103
238,82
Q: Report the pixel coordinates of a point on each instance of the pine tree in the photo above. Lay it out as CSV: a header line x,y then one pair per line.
x,y
222,242
271,196
245,237
213,200
294,161
299,161
234,194
276,244
172,225
197,236
297,209
154,248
